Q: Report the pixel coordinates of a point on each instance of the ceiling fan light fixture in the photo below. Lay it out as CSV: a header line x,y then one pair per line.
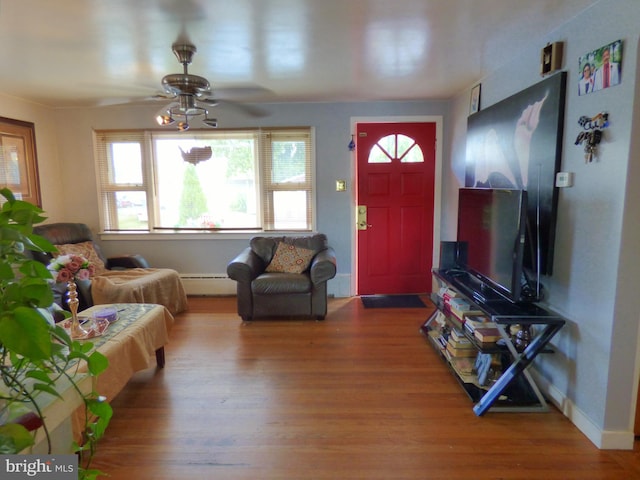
x,y
183,126
211,122
164,120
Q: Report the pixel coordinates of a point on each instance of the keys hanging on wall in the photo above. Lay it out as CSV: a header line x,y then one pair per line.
x,y
591,140
592,134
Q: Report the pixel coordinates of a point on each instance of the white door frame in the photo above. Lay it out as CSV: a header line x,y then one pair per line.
x,y
437,184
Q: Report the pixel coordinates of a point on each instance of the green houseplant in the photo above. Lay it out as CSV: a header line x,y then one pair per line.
x,y
37,356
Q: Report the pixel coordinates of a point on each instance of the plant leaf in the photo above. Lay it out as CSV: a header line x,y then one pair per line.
x,y
14,438
8,194
74,354
33,268
26,333
104,412
36,242
97,363
46,388
62,334
36,291
39,375
25,213
6,272
10,234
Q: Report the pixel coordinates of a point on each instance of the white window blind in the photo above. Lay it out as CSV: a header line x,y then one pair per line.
x,y
287,179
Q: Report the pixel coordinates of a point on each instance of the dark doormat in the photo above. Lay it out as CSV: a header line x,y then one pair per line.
x,y
392,301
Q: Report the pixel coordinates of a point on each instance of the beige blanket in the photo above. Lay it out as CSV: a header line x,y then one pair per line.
x,y
140,285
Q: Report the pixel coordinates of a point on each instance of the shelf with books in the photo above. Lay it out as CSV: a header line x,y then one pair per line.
x,y
466,329
465,366
475,335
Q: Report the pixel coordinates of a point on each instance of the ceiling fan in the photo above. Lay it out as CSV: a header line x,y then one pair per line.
x,y
192,94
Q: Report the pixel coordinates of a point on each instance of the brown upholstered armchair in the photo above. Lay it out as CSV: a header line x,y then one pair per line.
x,y
122,279
283,276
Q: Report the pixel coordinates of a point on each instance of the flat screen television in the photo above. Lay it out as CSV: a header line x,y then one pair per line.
x,y
492,228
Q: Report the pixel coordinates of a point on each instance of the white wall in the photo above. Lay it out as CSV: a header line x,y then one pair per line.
x,y
594,373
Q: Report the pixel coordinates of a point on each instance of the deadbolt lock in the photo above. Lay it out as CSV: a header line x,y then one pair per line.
x,y
361,217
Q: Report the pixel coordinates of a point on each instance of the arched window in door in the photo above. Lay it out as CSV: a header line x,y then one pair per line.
x,y
396,147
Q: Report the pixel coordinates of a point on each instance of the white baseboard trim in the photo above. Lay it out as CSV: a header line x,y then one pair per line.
x,y
208,284
220,284
603,439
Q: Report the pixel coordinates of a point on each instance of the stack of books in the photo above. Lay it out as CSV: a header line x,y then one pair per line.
x,y
482,328
459,346
446,294
465,368
487,334
462,309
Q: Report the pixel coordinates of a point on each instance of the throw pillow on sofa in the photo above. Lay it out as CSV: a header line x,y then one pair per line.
x,y
290,259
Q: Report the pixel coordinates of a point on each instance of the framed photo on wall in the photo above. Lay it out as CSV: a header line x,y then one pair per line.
x,y
18,161
600,69
474,101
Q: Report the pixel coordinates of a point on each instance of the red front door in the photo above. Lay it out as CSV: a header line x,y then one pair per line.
x,y
396,169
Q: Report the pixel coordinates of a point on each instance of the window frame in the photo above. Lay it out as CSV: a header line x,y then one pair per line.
x,y
107,188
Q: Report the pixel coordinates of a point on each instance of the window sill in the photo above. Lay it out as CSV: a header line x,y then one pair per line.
x,y
151,236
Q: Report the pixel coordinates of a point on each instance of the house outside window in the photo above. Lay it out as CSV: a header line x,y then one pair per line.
x,y
227,180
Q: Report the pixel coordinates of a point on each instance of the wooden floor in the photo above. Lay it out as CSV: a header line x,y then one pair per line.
x,y
360,395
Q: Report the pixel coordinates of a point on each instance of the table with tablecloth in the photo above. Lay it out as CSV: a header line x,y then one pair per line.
x,y
134,342
130,344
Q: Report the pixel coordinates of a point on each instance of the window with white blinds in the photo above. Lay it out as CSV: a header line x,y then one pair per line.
x,y
260,179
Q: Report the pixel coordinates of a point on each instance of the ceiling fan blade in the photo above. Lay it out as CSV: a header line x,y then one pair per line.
x,y
244,92
115,101
252,110
212,102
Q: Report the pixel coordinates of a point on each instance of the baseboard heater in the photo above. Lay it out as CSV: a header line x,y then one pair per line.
x,y
208,284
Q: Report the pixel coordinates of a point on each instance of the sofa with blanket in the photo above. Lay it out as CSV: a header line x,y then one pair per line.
x,y
283,276
123,279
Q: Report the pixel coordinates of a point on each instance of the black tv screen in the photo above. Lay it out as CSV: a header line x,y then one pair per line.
x,y
491,224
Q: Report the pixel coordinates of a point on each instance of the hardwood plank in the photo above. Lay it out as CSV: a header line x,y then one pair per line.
x,y
359,395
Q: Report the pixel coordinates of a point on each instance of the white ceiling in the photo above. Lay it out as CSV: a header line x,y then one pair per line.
x,y
65,53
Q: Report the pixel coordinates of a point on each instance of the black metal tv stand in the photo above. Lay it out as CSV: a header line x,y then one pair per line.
x,y
514,389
